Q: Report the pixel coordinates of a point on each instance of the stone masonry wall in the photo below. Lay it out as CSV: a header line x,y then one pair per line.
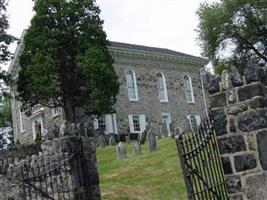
x,y
239,109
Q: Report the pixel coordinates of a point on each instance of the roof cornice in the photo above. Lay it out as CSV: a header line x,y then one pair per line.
x,y
123,52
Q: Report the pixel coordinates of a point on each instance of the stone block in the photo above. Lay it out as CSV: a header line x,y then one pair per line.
x,y
220,121
227,168
231,144
214,85
233,110
233,184
218,100
252,73
249,91
256,187
253,120
262,148
257,102
245,162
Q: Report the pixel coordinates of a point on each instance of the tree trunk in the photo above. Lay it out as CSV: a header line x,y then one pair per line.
x,y
69,111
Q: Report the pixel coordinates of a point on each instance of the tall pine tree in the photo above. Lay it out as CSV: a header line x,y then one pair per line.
x,y
65,61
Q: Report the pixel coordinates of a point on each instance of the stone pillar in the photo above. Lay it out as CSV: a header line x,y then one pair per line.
x,y
239,109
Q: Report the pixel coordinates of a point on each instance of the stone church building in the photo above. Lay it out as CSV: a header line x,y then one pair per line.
x,y
157,85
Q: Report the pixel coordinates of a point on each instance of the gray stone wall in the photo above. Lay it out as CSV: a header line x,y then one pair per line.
x,y
146,70
239,109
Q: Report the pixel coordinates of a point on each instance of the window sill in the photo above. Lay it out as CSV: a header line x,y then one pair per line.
x,y
133,100
164,101
22,132
191,103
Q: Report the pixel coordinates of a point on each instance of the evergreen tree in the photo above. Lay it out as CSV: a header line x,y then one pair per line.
x,y
233,32
65,61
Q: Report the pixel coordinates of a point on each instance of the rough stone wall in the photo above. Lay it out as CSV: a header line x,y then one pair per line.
x,y
61,152
239,109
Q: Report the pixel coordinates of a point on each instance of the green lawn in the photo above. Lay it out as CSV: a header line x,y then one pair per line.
x,y
151,176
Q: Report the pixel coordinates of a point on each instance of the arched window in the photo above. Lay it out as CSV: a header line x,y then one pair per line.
x,y
131,85
188,89
162,90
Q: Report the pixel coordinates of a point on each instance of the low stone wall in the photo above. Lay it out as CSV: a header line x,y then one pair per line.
x,y
239,109
63,166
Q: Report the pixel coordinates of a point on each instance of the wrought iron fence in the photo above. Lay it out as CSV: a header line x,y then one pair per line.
x,y
201,164
61,177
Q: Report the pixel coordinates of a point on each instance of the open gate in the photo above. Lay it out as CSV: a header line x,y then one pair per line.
x,y
201,164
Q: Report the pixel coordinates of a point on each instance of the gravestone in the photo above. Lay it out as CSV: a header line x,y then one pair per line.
x,y
112,140
121,151
177,131
159,133
164,129
143,135
172,131
137,149
127,138
102,141
151,140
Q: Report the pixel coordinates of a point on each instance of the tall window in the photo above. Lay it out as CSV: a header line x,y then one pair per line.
x,y
162,90
102,122
132,86
188,89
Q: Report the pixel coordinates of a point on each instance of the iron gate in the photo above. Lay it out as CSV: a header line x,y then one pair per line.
x,y
63,177
201,164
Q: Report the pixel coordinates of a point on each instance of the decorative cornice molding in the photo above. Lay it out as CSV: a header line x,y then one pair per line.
x,y
192,61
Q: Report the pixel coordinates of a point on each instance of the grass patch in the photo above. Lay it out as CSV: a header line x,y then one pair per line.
x,y
151,176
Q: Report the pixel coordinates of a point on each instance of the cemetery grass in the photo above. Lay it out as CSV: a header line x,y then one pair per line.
x,y
150,176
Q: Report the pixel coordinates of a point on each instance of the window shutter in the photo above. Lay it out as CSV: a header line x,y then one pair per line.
x,y
115,123
142,120
109,125
130,118
198,119
96,123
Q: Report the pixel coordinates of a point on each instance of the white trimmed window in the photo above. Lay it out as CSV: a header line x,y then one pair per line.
x,y
131,85
162,90
55,112
23,122
137,123
106,122
193,120
188,89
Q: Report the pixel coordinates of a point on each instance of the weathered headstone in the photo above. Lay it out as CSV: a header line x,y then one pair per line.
x,y
172,131
127,137
151,140
159,133
121,151
137,149
102,141
164,129
112,140
143,135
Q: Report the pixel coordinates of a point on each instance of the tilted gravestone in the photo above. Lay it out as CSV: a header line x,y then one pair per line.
x,y
112,140
137,149
102,141
151,140
172,130
164,129
143,135
121,151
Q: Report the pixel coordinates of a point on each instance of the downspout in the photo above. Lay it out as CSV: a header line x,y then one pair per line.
x,y
202,72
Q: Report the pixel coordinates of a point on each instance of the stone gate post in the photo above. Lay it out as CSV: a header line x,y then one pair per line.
x,y
239,109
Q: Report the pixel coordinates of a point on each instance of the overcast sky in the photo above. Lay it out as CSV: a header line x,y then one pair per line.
x,y
160,23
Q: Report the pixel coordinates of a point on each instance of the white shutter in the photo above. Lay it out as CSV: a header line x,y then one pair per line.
x,y
198,119
142,121
96,123
114,123
130,118
109,125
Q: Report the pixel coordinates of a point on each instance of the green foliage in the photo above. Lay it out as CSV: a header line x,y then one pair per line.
x,y
65,61
234,31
